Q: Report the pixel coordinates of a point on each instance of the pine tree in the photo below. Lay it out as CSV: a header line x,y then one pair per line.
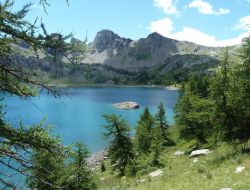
x,y
47,170
221,93
17,141
156,153
79,174
161,129
121,147
242,95
144,132
193,115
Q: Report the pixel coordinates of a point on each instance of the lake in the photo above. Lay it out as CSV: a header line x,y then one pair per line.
x,y
77,117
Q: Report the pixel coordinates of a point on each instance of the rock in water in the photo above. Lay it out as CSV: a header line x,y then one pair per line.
x,y
127,105
200,152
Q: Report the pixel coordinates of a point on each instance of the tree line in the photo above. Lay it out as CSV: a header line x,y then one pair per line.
x,y
217,107
141,153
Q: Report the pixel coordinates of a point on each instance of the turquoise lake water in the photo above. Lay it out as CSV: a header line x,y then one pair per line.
x,y
77,117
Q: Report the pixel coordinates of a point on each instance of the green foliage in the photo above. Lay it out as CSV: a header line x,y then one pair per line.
x,y
79,176
194,115
16,149
121,148
143,136
220,106
193,110
161,126
222,94
47,170
156,153
103,167
30,151
55,171
243,97
198,85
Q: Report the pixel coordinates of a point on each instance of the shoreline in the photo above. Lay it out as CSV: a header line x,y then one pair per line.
x,y
95,159
75,85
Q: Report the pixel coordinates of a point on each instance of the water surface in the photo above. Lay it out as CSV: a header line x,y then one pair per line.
x,y
77,117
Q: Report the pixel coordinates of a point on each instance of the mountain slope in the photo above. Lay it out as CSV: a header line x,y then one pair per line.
x,y
110,49
115,60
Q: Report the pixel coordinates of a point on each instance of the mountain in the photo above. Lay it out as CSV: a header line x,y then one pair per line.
x,y
110,49
117,60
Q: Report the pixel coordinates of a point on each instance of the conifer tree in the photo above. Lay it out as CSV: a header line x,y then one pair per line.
x,y
79,176
144,132
193,114
241,94
15,79
161,128
47,171
121,148
221,94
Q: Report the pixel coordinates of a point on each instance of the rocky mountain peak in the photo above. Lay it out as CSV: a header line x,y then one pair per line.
x,y
107,39
158,37
157,40
155,35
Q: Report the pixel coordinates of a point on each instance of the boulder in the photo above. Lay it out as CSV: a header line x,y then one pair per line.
x,y
155,173
200,152
239,169
127,105
140,181
179,153
195,160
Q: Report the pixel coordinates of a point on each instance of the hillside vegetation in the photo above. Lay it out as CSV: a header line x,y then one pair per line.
x,y
213,113
212,172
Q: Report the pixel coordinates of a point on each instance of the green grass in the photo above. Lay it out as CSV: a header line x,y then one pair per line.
x,y
211,172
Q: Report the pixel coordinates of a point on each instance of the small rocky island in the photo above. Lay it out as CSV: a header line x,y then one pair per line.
x,y
126,105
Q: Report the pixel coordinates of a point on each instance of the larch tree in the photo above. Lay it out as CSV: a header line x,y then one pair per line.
x,y
144,136
79,176
242,95
161,126
120,151
17,143
193,111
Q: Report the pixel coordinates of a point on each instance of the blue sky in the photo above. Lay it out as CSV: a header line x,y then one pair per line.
x,y
206,22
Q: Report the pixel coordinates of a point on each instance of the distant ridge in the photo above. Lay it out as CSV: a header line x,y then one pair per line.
x,y
110,49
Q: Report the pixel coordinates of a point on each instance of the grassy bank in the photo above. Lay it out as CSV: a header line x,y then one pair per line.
x,y
211,172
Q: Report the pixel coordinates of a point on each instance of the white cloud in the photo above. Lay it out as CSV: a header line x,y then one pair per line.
x,y
243,24
167,6
199,37
206,8
165,28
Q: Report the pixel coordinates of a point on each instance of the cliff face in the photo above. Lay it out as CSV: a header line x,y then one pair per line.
x,y
111,58
110,49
